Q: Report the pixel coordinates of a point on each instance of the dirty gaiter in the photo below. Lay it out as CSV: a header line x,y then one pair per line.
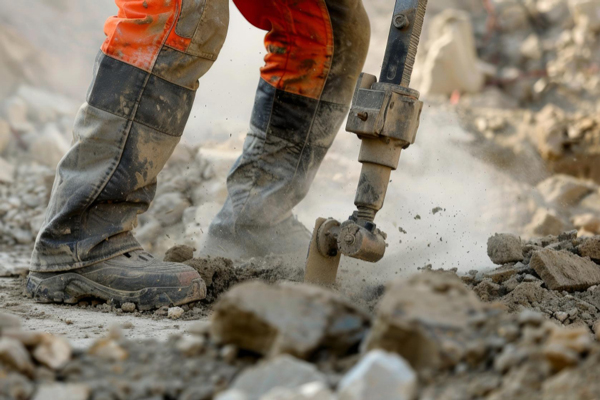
x,y
144,85
316,51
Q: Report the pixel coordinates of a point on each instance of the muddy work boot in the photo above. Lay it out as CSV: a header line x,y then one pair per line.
x,y
134,277
289,238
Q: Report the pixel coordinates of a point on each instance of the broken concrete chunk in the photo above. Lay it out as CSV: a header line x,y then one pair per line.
x,y
589,222
14,355
504,248
283,371
53,352
487,290
287,318
505,272
379,376
561,270
451,63
590,248
564,190
418,318
175,313
128,307
545,222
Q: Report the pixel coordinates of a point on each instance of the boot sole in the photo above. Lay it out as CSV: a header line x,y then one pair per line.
x,y
70,288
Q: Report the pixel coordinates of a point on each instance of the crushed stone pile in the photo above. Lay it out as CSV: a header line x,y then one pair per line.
x,y
290,341
558,276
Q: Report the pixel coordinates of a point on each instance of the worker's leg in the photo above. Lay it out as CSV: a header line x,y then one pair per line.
x,y
138,104
316,51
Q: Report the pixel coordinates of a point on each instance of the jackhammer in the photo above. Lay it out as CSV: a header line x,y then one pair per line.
x,y
385,116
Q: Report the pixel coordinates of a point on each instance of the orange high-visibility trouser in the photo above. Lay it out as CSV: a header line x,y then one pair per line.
x,y
300,39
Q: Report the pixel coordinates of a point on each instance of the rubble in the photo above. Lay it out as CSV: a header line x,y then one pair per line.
x,y
287,319
437,322
379,376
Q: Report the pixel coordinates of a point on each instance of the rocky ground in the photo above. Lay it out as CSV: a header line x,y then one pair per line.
x,y
509,142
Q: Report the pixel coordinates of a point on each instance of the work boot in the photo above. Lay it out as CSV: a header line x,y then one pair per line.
x,y
134,277
289,238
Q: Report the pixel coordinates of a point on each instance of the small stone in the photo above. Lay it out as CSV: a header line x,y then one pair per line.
x,y
561,316
283,371
232,395
63,391
504,248
530,278
310,391
53,352
560,357
530,317
108,349
192,346
488,291
568,236
511,284
128,307
379,376
175,313
229,353
179,254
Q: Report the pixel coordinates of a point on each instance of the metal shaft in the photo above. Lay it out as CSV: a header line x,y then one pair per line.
x,y
403,42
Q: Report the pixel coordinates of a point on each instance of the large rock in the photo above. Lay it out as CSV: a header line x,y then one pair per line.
x,y
49,147
504,248
590,248
14,355
53,351
287,318
564,190
546,222
426,319
562,270
587,222
452,62
379,376
283,371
